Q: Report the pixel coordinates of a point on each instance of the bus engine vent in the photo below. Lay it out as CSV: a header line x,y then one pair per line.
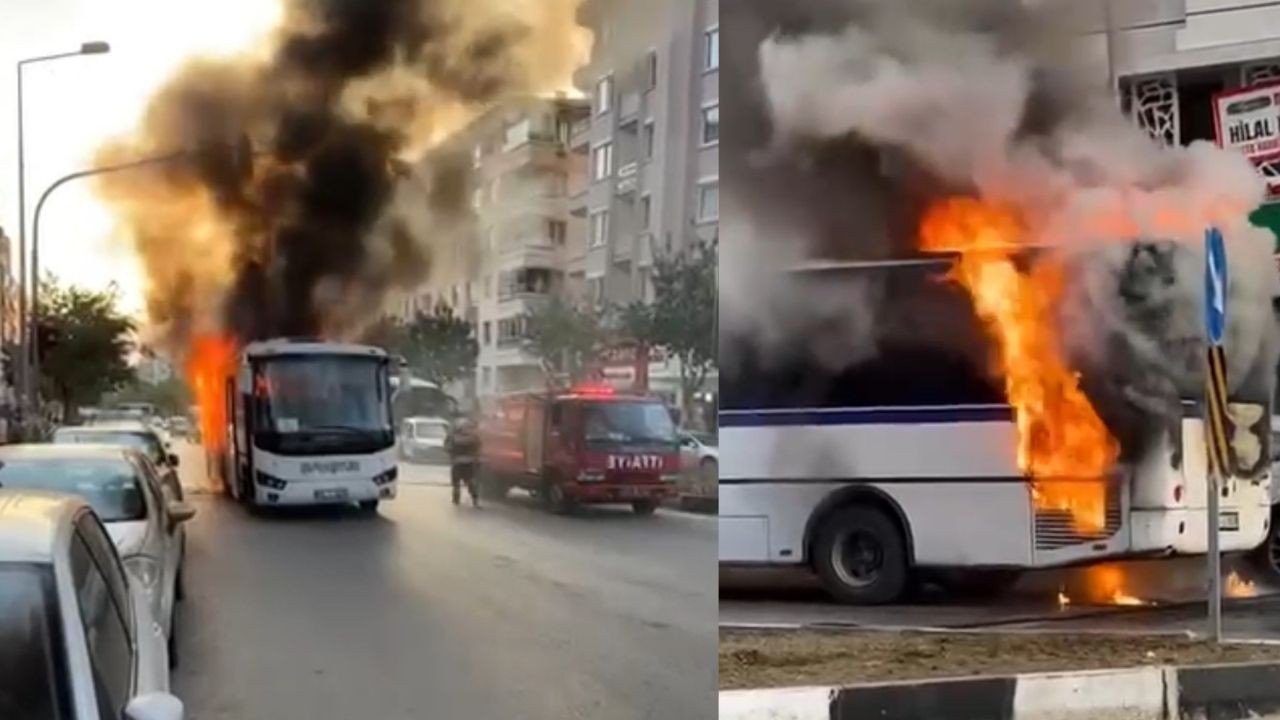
x,y
1055,528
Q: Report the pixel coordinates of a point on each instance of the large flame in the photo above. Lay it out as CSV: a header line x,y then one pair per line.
x,y
211,360
1061,439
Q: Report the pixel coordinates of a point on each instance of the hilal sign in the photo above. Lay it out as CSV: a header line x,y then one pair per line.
x,y
1248,120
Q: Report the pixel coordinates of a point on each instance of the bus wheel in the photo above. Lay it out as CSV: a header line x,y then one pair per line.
x,y
861,557
1267,556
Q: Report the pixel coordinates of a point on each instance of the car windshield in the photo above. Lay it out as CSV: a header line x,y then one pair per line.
x,y
429,431
110,485
322,393
144,442
629,422
33,682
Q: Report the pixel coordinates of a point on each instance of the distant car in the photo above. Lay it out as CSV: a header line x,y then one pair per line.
x,y
422,439
179,426
79,639
136,435
699,454
122,488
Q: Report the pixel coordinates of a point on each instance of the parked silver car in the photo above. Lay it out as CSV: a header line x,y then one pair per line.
x,y
77,638
422,439
124,491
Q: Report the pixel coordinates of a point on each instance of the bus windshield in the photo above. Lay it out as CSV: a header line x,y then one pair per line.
x,y
322,394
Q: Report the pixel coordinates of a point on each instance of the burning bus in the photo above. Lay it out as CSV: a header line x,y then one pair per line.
x,y
304,422
914,457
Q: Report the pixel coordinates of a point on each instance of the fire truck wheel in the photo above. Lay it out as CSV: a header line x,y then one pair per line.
x,y
861,557
644,507
556,499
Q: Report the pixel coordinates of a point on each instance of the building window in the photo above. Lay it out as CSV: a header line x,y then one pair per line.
x,y
510,331
477,197
649,137
602,161
711,125
711,41
646,211
599,228
604,94
556,231
595,290
477,155
651,69
709,201
487,338
486,377
453,293
488,286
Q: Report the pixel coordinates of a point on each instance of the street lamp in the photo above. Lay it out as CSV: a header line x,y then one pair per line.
x,y
32,388
95,47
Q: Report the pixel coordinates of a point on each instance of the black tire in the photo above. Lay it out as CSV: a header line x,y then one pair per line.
x,y
1266,558
877,573
709,471
172,641
369,507
644,507
556,499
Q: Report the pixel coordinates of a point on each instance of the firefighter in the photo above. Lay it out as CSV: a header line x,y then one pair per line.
x,y
463,446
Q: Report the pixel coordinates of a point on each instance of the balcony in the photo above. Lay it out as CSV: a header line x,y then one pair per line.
x,y
580,134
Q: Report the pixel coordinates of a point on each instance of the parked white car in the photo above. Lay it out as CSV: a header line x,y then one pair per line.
x,y
125,493
136,435
422,439
698,454
77,637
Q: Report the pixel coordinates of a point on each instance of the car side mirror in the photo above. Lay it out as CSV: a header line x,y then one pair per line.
x,y
173,459
180,512
155,706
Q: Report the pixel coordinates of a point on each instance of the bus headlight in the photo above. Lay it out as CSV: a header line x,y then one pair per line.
x,y
385,478
269,481
144,568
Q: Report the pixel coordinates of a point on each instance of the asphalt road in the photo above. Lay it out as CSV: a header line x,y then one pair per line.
x,y
435,611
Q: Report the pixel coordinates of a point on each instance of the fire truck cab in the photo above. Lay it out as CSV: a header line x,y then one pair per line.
x,y
581,446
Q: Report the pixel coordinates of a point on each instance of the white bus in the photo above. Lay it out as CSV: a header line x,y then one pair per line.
x,y
904,461
309,422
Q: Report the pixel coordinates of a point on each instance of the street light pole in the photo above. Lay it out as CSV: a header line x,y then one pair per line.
x,y
24,365
33,389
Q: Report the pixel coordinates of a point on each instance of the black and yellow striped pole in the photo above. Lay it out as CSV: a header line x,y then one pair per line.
x,y
1217,454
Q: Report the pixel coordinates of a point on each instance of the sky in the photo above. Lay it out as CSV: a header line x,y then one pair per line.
x,y
73,105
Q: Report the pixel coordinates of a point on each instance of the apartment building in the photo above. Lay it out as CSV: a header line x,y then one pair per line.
x,y
521,171
1167,59
650,145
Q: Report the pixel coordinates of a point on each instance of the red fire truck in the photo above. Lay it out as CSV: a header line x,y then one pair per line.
x,y
589,444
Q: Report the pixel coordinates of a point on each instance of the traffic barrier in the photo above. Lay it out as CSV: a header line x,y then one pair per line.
x,y
1219,692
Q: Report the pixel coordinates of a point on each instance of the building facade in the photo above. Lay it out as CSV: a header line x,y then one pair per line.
x,y
1168,58
516,258
650,146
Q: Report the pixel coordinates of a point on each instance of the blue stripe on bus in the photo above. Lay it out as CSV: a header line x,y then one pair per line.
x,y
866,416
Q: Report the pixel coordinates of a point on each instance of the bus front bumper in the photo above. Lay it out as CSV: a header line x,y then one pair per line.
x,y
1185,531
325,492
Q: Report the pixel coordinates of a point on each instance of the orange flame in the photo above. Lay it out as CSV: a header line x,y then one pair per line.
x,y
1104,585
1061,439
1237,587
210,361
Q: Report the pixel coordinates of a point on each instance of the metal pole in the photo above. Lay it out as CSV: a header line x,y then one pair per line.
x,y
20,375
1215,559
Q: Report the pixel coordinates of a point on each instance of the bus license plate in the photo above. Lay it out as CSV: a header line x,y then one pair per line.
x,y
333,494
1229,521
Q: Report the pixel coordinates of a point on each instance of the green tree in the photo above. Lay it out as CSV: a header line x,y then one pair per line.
x,y
84,341
439,346
682,317
565,338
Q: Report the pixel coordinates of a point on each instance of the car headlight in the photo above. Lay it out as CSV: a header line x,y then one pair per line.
x,y
145,568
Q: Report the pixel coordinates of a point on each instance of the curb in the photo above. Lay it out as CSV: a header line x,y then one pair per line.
x,y
1218,692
